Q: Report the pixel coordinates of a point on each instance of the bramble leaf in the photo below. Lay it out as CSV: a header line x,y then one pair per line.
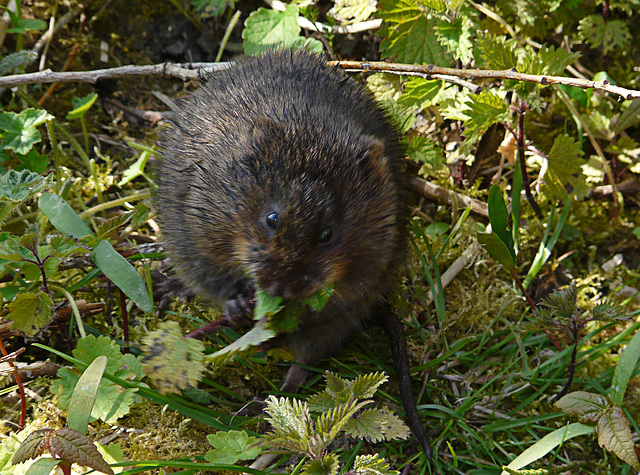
x,y
72,446
174,363
587,407
34,445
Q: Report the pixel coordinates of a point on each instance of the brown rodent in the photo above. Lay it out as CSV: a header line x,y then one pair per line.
x,y
282,171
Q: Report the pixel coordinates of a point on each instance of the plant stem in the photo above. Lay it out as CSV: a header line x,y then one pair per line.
x,y
16,376
523,163
57,159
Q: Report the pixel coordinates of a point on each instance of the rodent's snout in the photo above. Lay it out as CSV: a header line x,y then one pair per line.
x,y
293,288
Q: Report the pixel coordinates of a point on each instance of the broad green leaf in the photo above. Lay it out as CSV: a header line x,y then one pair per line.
x,y
408,34
231,446
564,178
317,301
588,407
174,363
20,132
24,25
624,370
266,304
430,155
614,434
84,395
62,216
548,443
372,465
81,105
29,312
122,274
112,401
310,44
266,28
70,445
494,246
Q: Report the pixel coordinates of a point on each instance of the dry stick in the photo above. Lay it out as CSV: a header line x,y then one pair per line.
x,y
442,195
47,95
199,70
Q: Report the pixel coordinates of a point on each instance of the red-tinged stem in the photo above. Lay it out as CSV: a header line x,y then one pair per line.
x,y
16,376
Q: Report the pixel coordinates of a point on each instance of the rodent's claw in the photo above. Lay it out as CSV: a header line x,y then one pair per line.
x,y
165,289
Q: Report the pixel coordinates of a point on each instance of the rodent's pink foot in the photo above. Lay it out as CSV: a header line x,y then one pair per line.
x,y
165,289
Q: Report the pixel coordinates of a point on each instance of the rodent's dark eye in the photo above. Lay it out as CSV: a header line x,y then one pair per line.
x,y
272,220
325,235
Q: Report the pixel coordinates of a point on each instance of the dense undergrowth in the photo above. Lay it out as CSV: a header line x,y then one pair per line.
x,y
500,363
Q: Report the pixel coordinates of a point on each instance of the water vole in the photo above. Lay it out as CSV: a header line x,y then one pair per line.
x,y
283,172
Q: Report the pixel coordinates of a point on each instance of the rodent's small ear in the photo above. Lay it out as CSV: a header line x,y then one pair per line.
x,y
262,128
374,157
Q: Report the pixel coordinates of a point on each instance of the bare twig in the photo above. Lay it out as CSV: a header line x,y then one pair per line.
x,y
442,195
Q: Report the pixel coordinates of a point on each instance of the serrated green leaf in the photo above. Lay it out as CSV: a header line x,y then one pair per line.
x,y
352,11
71,445
456,37
494,246
18,186
419,92
564,178
81,105
497,52
629,118
317,301
408,34
484,110
84,395
588,407
614,434
31,447
231,446
115,222
15,60
266,304
174,363
366,385
62,216
112,400
327,465
608,35
122,274
29,312
20,132
289,419
377,425
551,61
266,28
371,465
331,422
430,155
